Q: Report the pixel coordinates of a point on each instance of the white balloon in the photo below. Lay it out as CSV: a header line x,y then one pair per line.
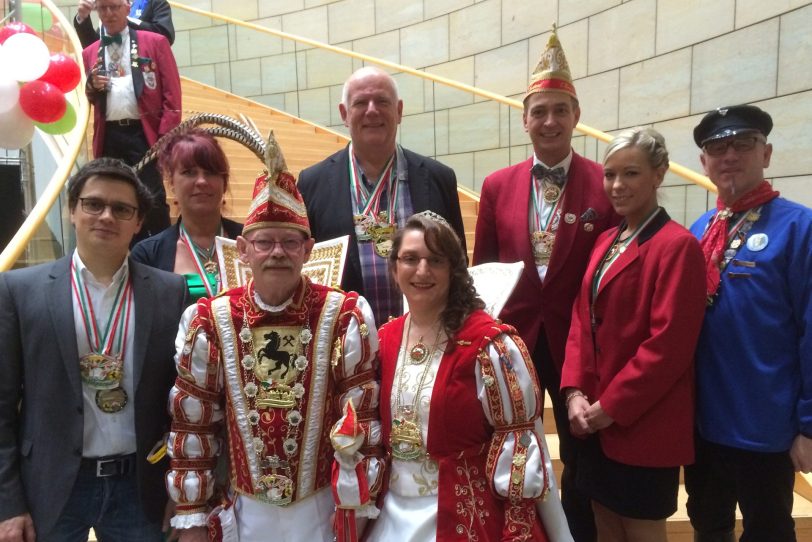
x,y
9,93
16,129
24,57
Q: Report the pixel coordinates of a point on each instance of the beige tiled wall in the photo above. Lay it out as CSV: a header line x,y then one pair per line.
x,y
658,62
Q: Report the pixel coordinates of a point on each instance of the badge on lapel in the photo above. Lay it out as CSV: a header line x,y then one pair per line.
x,y
148,68
587,217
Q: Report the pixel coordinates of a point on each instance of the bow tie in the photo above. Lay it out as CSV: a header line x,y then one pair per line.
x,y
107,40
556,176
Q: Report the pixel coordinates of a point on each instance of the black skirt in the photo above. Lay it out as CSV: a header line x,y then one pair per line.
x,y
631,491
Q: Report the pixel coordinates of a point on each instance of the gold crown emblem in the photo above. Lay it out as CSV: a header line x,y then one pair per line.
x,y
280,396
278,489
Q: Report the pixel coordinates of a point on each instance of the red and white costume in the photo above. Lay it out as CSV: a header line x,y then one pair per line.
x,y
224,384
487,474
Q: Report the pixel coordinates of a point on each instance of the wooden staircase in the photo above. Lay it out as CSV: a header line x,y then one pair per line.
x,y
302,143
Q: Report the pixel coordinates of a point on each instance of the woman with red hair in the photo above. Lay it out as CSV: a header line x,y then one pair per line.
x,y
197,171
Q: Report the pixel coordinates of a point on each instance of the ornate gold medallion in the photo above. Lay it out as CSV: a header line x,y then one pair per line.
x,y
542,242
101,372
278,489
551,193
418,353
111,401
405,438
210,267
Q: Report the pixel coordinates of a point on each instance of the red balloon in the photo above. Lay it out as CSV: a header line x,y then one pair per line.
x,y
15,28
42,102
63,72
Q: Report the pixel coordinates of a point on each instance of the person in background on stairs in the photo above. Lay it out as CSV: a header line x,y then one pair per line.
x,y
134,86
149,15
547,212
628,376
86,348
754,358
369,189
197,172
460,409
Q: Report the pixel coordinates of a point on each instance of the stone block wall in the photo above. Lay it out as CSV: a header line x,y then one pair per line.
x,y
656,62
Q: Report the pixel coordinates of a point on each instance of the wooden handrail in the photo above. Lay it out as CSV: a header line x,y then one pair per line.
x,y
51,193
677,169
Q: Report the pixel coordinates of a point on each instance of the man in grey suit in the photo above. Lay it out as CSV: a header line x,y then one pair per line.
x,y
370,188
86,348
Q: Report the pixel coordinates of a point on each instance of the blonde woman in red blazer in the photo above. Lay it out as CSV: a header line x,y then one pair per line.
x,y
628,375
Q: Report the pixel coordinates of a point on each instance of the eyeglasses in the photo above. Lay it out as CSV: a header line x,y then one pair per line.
x,y
95,206
267,245
739,144
412,260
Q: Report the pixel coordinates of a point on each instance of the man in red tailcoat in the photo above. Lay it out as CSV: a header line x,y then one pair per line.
x,y
547,212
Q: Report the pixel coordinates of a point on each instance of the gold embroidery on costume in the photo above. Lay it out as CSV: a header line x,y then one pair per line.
x,y
427,485
471,504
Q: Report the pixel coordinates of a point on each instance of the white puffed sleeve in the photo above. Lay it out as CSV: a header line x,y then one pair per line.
x,y
358,469
195,404
508,389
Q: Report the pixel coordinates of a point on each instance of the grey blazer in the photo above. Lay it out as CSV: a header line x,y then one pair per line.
x,y
41,409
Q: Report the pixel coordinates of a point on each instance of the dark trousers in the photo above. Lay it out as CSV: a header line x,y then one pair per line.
x,y
129,144
577,506
110,506
761,483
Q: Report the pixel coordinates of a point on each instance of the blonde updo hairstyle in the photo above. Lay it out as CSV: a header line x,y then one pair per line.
x,y
648,140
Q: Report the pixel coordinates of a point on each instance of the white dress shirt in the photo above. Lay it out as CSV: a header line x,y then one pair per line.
x,y
105,434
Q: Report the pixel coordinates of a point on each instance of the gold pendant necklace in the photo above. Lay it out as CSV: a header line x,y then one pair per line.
x,y
419,353
405,437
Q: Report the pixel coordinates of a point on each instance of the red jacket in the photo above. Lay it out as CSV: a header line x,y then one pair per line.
x,y
503,235
648,313
460,438
158,95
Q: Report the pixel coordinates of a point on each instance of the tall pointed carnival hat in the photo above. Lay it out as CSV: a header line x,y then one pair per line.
x,y
276,201
552,74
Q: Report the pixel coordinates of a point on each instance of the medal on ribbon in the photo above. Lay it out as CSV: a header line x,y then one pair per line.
x,y
371,221
542,237
205,261
103,367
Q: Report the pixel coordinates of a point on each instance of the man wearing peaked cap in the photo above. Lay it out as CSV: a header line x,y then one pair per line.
x,y
754,357
261,369
547,211
729,121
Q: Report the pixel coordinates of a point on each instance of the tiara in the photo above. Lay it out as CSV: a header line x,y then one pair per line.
x,y
434,217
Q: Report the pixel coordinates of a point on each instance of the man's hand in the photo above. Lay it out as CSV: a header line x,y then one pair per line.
x,y
596,418
84,9
17,529
577,405
194,534
170,533
801,454
99,82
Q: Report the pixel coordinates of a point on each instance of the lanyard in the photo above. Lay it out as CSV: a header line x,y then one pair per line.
x,y
195,251
615,250
369,203
114,334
